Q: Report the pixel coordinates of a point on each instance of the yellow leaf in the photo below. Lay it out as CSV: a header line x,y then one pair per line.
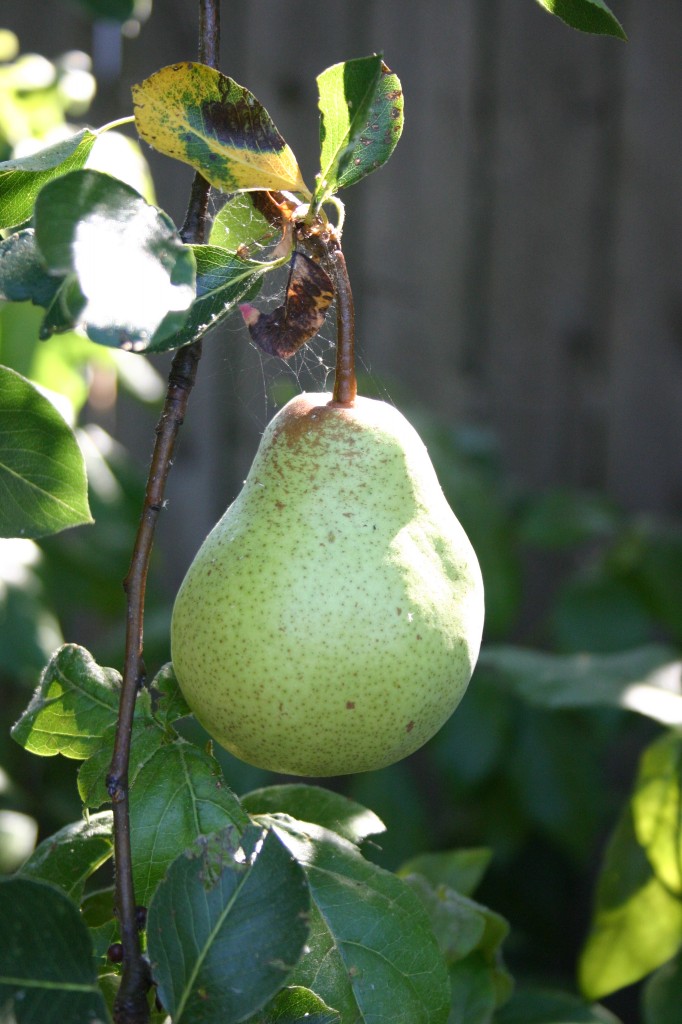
x,y
195,114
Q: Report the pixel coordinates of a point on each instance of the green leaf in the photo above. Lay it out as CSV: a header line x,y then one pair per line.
x,y
657,808
47,971
177,795
240,223
169,703
43,486
317,805
98,912
539,1006
226,927
297,1005
69,857
637,924
147,738
461,870
662,996
136,277
21,180
373,955
644,679
74,704
195,114
472,987
586,15
361,108
23,274
222,281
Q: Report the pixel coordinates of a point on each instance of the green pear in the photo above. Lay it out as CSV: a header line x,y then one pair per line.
x,y
331,620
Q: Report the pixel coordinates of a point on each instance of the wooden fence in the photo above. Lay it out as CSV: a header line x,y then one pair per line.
x,y
517,264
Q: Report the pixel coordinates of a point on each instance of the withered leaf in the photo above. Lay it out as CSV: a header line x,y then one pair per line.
x,y
284,330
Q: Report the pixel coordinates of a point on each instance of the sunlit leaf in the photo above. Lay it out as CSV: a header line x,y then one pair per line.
x,y
296,1005
318,805
75,703
222,281
657,808
226,927
637,923
586,15
361,107
47,970
239,223
197,115
22,179
135,276
43,488
69,857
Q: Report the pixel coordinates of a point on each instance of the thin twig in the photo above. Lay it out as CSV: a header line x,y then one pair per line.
x,y
131,1005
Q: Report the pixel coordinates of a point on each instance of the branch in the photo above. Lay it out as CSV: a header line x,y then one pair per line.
x,y
131,1004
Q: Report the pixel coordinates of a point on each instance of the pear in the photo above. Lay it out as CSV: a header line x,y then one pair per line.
x,y
332,618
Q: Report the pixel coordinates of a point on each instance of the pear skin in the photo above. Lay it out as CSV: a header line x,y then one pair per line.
x,y
331,620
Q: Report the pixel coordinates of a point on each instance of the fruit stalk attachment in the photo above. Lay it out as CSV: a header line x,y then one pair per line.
x,y
345,383
131,1003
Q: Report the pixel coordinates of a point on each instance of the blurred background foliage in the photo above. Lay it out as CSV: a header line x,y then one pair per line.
x,y
565,571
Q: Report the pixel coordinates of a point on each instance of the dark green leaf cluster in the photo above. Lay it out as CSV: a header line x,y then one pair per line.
x,y
248,903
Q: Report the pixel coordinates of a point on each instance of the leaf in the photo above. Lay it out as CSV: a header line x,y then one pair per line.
x,y
169,703
372,954
461,870
239,223
637,923
586,15
657,808
458,923
135,276
226,927
315,804
361,106
297,1005
74,704
98,912
21,180
644,679
662,996
287,328
47,971
178,795
147,738
23,274
43,486
473,997
69,857
222,280
195,114
539,1006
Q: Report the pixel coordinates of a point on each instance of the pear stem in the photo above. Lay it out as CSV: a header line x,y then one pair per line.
x,y
345,383
131,1004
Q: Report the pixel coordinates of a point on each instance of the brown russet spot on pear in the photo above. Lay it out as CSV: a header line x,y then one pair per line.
x,y
278,631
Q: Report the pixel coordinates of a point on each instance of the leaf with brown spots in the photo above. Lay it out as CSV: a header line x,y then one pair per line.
x,y
195,114
288,327
361,120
